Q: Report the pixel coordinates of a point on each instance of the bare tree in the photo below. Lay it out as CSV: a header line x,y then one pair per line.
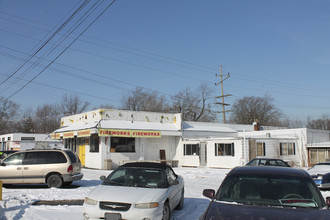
x,y
142,100
322,123
106,106
72,105
8,112
27,123
251,108
297,123
47,118
194,106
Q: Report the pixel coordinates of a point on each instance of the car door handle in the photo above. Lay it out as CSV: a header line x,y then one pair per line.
x,y
19,168
26,168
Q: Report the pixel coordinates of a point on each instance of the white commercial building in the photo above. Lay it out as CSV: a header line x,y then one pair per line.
x,y
107,138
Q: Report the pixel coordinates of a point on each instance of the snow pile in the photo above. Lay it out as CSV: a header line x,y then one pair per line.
x,y
18,199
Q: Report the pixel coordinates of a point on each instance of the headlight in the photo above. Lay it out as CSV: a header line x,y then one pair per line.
x,y
90,201
148,205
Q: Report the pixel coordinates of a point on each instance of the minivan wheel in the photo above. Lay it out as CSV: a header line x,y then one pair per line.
x,y
54,180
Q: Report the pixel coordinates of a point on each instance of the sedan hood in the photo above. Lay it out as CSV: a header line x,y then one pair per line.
x,y
127,194
318,170
225,211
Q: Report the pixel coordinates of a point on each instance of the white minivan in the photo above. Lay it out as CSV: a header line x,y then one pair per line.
x,y
53,167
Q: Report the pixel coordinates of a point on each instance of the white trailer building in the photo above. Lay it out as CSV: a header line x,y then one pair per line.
x,y
107,138
23,141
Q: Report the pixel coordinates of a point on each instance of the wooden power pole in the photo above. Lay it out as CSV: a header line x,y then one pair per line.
x,y
222,97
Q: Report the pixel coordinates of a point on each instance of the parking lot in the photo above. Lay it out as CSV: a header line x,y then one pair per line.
x,y
18,200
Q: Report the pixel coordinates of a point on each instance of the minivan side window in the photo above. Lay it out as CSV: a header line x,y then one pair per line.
x,y
55,157
44,158
33,158
72,156
15,159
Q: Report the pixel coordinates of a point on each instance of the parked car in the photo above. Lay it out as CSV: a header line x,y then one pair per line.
x,y
53,167
5,153
140,190
268,162
266,193
321,175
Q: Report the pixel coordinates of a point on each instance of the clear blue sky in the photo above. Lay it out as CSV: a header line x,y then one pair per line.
x,y
280,48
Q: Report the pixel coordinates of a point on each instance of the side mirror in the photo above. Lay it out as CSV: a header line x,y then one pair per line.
x,y
174,182
102,177
209,193
327,200
3,164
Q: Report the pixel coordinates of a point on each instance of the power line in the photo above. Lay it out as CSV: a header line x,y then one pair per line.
x,y
46,42
179,62
111,3
282,84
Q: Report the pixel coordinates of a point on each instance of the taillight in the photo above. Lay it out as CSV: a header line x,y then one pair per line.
x,y
70,169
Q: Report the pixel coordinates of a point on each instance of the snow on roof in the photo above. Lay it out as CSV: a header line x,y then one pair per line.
x,y
319,144
119,124
138,125
205,126
76,127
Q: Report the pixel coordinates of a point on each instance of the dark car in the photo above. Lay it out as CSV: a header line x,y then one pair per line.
x,y
268,162
266,193
321,175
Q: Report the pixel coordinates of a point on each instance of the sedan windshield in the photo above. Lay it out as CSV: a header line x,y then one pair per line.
x,y
138,177
269,191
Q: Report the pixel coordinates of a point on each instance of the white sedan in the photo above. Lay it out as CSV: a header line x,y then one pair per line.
x,y
140,190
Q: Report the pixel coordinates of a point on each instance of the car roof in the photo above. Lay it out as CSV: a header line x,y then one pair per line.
x,y
266,159
323,163
146,165
270,170
42,150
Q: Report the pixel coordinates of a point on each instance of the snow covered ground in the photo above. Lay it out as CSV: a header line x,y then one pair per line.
x,y
17,200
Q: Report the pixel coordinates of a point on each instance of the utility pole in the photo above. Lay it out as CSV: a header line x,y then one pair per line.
x,y
222,94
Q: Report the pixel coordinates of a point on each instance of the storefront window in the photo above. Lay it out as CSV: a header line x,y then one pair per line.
x,y
318,155
261,151
94,143
287,149
70,143
224,149
122,144
191,149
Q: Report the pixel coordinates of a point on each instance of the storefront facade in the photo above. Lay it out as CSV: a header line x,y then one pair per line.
x,y
106,138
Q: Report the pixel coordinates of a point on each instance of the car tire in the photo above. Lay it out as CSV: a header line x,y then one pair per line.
x,y
166,212
67,183
180,205
54,180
